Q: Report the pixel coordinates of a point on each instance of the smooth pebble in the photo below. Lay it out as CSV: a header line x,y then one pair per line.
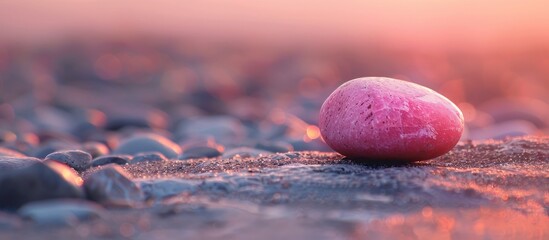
x,y
384,119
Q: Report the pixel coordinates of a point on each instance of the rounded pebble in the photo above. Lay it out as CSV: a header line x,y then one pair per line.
x,y
148,157
111,185
245,152
108,159
148,143
38,182
377,118
274,146
201,152
10,163
79,160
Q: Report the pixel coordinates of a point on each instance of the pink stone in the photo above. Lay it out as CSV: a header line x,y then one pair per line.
x,y
384,119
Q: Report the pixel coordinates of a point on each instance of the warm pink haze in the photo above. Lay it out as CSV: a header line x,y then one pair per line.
x,y
415,23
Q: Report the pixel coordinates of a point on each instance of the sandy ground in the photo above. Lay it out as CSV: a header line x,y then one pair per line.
x,y
480,190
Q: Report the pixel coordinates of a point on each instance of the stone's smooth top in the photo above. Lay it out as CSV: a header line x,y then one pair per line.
x,y
8,163
79,160
274,146
108,159
200,152
377,118
148,157
148,143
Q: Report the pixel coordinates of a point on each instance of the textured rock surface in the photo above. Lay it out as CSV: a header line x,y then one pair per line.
x,y
387,119
479,190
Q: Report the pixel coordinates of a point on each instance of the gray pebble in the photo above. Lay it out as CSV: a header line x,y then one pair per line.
x,y
148,143
38,182
61,211
108,159
274,146
148,157
200,152
112,186
79,160
11,163
50,147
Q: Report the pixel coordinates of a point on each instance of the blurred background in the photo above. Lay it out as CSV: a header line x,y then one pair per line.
x,y
72,67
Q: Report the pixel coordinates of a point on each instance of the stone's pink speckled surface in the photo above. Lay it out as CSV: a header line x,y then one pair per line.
x,y
376,118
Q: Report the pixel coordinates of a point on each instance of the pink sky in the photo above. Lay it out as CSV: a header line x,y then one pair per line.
x,y
416,23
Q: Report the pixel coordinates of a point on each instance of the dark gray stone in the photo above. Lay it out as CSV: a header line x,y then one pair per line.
x,y
148,143
11,163
79,160
112,186
51,147
274,146
108,159
61,211
38,182
148,157
201,152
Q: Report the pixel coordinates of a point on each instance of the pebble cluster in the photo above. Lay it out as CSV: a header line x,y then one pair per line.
x,y
58,174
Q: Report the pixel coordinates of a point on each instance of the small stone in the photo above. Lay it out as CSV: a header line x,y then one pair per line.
x,y
245,152
148,157
201,148
51,147
274,146
61,212
79,160
11,163
381,119
148,143
95,149
108,159
200,152
38,182
112,186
